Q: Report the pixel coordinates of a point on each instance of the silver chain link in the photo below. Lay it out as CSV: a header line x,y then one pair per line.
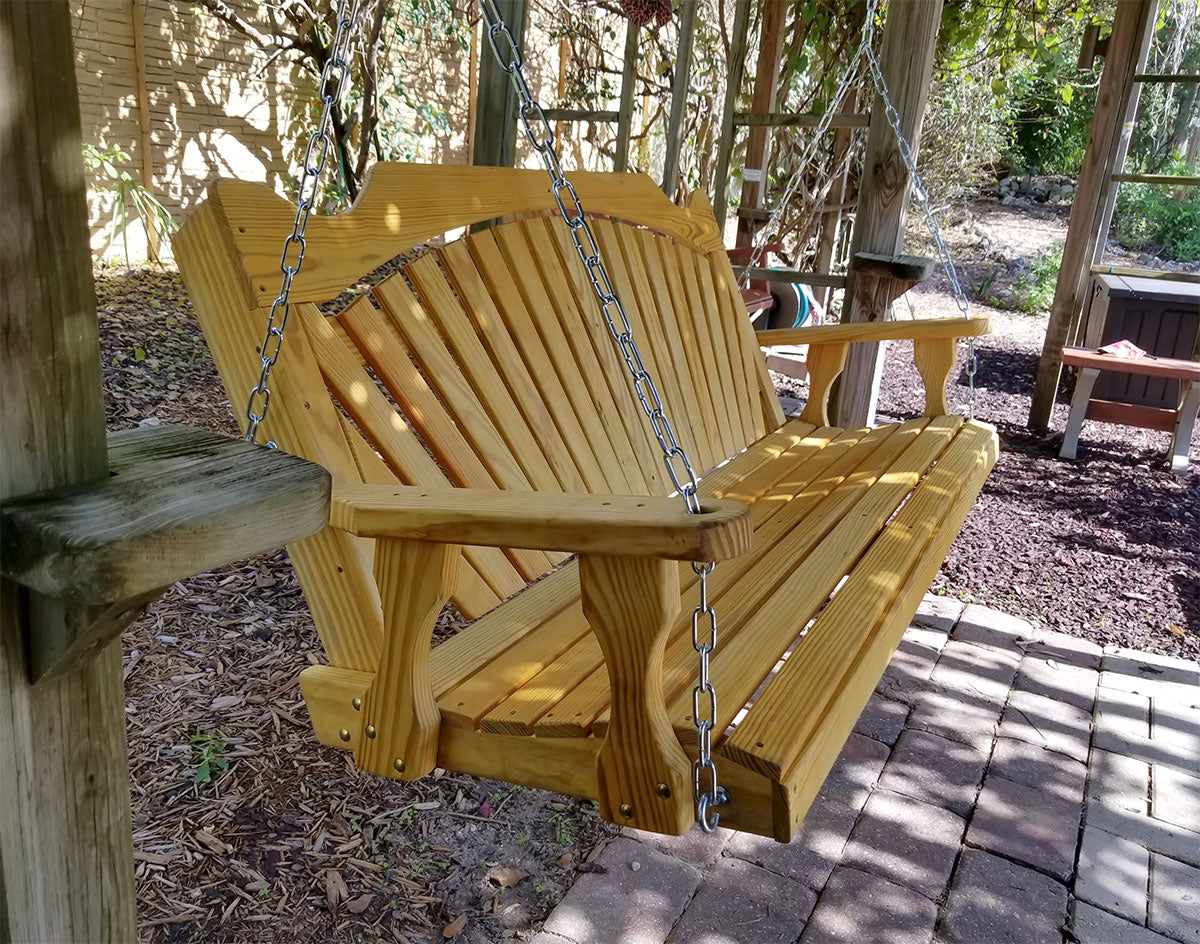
x,y
875,71
707,791
334,80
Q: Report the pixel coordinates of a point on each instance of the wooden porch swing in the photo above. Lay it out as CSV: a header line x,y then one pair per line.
x,y
473,413
514,441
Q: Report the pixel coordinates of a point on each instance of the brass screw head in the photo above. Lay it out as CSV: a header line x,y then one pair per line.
x,y
626,810
663,791
399,765
344,734
357,703
370,730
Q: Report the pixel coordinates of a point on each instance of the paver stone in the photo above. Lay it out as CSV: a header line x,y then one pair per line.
x,y
1175,899
858,907
633,906
1000,902
738,902
1113,873
1027,825
906,841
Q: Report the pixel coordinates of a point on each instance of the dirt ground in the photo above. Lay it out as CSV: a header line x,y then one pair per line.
x,y
246,829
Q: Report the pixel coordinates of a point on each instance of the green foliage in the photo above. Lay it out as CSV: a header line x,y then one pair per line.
x,y
1035,291
129,197
1052,104
1162,220
206,757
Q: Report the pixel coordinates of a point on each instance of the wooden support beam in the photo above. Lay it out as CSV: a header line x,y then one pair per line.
x,y
633,32
1116,99
1163,180
909,42
177,501
780,119
581,114
66,862
679,89
1182,77
643,775
495,142
762,100
1147,273
137,13
738,37
793,276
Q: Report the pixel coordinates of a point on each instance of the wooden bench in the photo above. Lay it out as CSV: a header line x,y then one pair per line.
x,y
1179,421
480,431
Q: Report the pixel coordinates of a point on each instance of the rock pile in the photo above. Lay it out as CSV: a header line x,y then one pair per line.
x,y
1030,189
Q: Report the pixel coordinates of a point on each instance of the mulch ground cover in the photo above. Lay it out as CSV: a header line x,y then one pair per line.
x,y
246,829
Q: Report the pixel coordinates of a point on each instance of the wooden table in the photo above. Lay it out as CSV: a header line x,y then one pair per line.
x,y
1178,421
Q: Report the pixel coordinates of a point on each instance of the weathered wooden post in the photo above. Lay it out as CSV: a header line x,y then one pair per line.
x,y
495,142
91,528
66,865
909,41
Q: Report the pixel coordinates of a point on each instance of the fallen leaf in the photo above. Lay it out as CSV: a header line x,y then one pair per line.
x,y
566,859
506,875
1171,627
359,905
335,889
454,926
595,867
427,805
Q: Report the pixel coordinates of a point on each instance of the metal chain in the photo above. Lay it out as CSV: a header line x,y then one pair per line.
x,y
707,791
334,80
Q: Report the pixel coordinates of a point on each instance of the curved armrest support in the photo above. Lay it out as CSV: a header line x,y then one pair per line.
x,y
622,525
877,331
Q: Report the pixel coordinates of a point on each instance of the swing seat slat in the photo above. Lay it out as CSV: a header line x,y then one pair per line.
x,y
480,431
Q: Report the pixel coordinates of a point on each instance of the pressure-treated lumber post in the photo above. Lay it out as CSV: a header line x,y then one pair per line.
x,y
66,869
679,90
633,33
644,776
907,62
762,99
1114,101
737,69
495,143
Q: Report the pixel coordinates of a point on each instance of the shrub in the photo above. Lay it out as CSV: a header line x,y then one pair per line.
x,y
1162,220
1035,291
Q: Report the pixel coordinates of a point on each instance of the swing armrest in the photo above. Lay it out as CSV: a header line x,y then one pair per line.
x,y
625,525
924,329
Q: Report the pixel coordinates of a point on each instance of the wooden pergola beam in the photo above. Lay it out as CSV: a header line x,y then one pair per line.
x,y
495,143
909,42
1116,97
66,859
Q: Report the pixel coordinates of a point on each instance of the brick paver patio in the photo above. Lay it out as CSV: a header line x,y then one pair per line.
x,y
1004,784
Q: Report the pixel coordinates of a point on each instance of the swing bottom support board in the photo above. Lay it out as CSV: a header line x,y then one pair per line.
x,y
850,528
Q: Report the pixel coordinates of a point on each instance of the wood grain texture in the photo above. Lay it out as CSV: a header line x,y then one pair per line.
x,y
792,799
934,359
66,868
825,362
400,719
773,735
629,525
402,205
303,421
906,58
642,773
178,501
878,331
